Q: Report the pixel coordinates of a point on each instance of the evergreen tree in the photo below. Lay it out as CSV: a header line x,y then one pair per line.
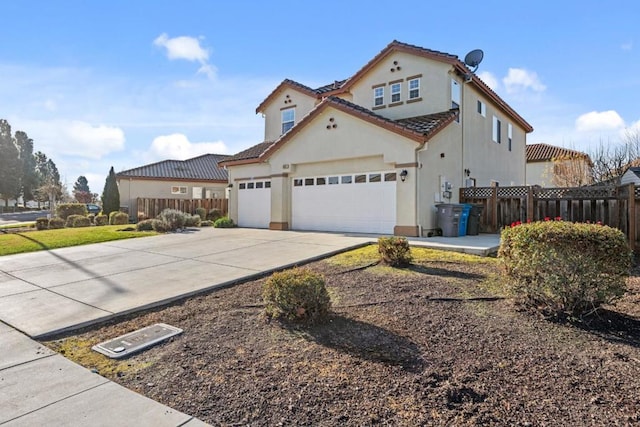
x,y
81,190
10,167
49,185
110,195
29,173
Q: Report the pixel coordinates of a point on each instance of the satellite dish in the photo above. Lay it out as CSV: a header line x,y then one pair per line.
x,y
473,59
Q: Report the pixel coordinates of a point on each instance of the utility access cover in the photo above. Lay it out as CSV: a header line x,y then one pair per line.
x,y
135,341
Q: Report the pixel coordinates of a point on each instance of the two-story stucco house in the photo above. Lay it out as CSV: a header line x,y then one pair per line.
x,y
376,152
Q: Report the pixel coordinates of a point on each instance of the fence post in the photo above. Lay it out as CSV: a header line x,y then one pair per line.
x,y
494,209
530,211
631,215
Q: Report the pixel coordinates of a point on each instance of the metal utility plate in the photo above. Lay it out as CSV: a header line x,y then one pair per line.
x,y
135,341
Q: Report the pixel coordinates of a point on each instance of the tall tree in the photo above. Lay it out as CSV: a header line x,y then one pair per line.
x,y
81,190
29,173
50,187
10,168
110,195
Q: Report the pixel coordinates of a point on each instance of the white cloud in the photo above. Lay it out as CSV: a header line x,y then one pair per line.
x,y
599,121
520,79
178,147
183,47
489,79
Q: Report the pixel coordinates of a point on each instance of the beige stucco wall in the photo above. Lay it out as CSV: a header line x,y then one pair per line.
x,y
435,86
273,118
540,173
131,189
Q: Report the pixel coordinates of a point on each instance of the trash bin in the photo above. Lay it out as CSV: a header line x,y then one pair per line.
x,y
464,219
448,218
473,224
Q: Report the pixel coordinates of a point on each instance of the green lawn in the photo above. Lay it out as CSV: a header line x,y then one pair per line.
x,y
30,241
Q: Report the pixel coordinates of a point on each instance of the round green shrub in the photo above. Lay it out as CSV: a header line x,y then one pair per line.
x,y
192,220
80,221
298,294
160,226
101,220
118,218
174,218
56,223
42,223
214,215
565,269
224,222
69,222
202,213
145,225
394,251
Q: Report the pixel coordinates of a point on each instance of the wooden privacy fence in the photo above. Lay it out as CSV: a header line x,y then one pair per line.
x,y
150,208
614,206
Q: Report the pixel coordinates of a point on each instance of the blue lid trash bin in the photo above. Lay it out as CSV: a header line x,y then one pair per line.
x,y
473,224
464,219
448,219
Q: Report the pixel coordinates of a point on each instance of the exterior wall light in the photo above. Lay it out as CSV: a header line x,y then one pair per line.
x,y
403,174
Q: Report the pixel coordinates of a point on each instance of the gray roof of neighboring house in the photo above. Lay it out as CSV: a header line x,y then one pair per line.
x,y
201,168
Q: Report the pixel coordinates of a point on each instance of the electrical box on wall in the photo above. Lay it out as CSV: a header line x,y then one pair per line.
x,y
445,187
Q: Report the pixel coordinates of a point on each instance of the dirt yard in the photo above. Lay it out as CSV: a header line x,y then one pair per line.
x,y
436,344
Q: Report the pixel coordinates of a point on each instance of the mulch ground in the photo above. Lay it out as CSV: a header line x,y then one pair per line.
x,y
431,345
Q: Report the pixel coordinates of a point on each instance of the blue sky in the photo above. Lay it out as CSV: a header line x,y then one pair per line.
x,y
126,83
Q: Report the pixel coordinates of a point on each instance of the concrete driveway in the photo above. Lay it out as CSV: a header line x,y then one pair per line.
x,y
48,292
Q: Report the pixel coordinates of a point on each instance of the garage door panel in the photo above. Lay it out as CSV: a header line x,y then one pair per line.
x,y
254,204
366,207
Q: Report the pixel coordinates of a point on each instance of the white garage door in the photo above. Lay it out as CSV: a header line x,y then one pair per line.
x,y
254,204
359,202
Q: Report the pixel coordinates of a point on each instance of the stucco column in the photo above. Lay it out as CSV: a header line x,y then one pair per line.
x,y
280,202
406,201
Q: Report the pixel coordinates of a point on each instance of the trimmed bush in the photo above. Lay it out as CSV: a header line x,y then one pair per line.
x,y
298,294
42,223
565,269
174,218
160,226
145,225
206,223
118,218
224,222
80,221
69,221
202,213
55,223
192,220
214,215
394,251
101,220
91,217
64,210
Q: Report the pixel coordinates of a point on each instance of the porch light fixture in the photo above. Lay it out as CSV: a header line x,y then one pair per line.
x,y
403,174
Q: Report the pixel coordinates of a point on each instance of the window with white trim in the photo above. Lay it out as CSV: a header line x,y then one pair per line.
x,y
288,119
455,97
414,88
396,91
497,128
176,189
509,134
378,96
482,108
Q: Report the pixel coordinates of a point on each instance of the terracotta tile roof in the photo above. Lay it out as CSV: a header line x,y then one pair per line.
x,y
201,168
546,152
419,129
250,153
330,87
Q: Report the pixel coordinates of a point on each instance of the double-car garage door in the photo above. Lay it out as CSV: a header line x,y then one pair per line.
x,y
356,202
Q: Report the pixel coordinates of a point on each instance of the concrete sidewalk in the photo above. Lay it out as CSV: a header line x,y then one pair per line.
x,y
49,292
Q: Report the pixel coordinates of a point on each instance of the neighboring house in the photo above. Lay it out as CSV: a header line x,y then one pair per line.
x,y
551,166
376,152
631,176
198,178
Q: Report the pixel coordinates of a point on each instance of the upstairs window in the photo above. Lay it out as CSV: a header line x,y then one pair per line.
x,y
509,134
455,97
288,118
378,96
396,89
497,127
482,108
414,88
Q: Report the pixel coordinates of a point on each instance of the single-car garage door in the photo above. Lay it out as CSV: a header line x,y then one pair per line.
x,y
358,202
254,204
